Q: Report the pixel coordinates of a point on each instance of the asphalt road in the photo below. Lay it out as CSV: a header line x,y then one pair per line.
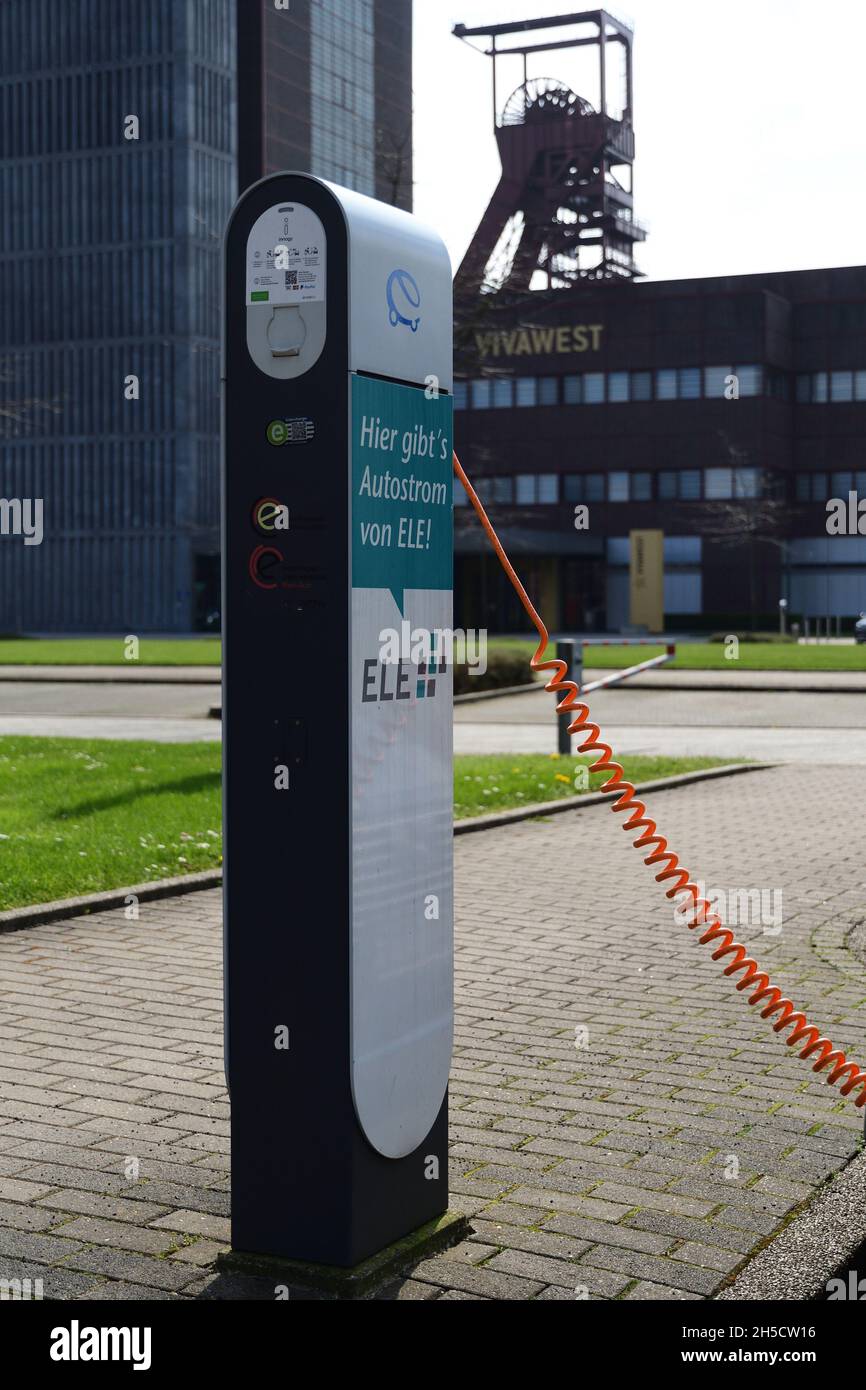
x,y
786,726
779,726
170,713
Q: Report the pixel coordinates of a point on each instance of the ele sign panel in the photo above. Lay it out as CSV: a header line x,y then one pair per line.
x,y
401,565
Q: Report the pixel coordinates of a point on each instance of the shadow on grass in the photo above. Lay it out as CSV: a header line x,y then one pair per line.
x,y
200,782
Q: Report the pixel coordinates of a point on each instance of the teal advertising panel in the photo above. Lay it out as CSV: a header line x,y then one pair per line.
x,y
402,443
401,701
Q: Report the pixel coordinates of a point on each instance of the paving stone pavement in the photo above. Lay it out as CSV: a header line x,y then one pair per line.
x,y
645,1163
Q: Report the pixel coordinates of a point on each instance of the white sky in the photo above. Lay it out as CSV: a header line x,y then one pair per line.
x,y
749,128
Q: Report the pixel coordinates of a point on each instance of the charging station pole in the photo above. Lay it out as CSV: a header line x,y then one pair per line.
x,y
337,720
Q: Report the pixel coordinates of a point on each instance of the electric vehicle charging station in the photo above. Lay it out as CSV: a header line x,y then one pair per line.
x,y
337,754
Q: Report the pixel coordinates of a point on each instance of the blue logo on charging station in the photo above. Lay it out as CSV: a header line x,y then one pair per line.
x,y
403,295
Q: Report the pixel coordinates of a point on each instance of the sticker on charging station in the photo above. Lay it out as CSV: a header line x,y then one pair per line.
x,y
286,257
401,488
401,740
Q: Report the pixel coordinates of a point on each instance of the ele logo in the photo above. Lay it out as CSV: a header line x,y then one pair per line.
x,y
403,295
386,681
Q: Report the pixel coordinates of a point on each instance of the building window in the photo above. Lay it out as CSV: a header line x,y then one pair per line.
x,y
750,380
804,487
666,384
821,387
525,484
715,381
527,390
460,497
747,483
593,388
841,484
480,390
689,383
573,390
778,385
819,487
542,488
572,487
682,485
503,490
641,487
584,487
641,386
618,386
841,386
342,79
617,487
718,483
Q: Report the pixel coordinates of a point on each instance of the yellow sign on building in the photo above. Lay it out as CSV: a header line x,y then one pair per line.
x,y
647,580
540,342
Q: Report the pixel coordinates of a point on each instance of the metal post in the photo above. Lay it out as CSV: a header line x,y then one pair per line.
x,y
565,652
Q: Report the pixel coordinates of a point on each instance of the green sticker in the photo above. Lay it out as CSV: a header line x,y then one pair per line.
x,y
259,294
277,432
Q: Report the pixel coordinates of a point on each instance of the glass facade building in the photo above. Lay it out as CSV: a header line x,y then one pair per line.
x,y
342,99
326,85
121,127
116,173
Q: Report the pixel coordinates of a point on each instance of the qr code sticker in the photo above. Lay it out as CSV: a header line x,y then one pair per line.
x,y
291,279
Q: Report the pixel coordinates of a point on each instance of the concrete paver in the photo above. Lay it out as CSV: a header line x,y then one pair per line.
x,y
644,1163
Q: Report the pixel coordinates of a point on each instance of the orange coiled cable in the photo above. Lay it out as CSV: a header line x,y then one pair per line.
x,y
753,978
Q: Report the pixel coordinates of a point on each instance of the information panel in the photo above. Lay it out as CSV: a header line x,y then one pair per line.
x,y
401,729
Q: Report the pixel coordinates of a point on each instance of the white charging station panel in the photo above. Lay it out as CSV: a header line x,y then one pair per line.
x,y
286,268
401,415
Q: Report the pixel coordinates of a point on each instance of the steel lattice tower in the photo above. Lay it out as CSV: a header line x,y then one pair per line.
x,y
563,208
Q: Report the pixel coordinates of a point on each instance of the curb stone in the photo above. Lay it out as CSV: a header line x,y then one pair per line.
x,y
18,918
578,803
813,1248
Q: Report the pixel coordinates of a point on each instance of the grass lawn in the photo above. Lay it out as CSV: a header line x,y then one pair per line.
x,y
710,656
205,651
83,815
494,782
108,651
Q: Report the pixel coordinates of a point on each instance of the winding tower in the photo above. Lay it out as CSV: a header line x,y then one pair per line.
x,y
563,209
